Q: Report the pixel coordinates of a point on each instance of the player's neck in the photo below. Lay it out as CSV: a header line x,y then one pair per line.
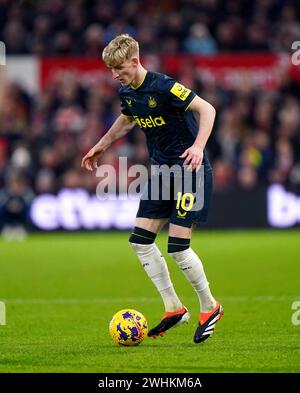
x,y
140,77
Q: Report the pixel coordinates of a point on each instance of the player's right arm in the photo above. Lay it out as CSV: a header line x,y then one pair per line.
x,y
122,125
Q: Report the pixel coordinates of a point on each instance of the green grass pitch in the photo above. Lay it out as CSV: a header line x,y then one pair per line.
x,y
61,291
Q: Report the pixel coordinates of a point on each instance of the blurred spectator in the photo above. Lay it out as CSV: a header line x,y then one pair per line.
x,y
284,159
14,36
200,41
94,40
20,158
45,182
223,175
15,200
39,40
62,44
247,178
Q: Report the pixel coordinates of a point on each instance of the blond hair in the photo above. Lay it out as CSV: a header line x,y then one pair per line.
x,y
119,50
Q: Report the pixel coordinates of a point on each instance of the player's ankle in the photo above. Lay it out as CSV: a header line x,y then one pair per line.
x,y
174,308
209,307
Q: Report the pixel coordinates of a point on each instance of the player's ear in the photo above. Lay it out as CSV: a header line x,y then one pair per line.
x,y
135,60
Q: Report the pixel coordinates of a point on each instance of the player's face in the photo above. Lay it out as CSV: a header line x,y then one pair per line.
x,y
125,72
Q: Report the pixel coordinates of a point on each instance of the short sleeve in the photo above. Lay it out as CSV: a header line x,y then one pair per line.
x,y
178,95
124,107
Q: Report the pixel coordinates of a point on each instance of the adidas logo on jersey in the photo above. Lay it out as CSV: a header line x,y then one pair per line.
x,y
149,122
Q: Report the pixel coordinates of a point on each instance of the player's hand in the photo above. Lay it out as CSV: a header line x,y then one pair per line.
x,y
193,158
90,160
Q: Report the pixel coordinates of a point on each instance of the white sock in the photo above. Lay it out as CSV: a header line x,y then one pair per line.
x,y
156,268
192,267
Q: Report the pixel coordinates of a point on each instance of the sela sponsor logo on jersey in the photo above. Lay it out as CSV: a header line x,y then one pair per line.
x,y
149,122
180,91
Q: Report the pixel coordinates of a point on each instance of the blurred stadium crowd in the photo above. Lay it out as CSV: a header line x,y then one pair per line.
x,y
256,139
50,27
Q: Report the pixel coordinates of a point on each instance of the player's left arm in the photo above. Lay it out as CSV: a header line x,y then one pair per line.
x,y
207,113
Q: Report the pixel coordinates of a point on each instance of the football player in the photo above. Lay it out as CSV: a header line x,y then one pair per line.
x,y
177,124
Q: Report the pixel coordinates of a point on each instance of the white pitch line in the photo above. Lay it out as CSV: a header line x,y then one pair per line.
x,y
123,300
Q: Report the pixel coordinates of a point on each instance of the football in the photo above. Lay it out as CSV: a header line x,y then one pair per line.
x,y
128,327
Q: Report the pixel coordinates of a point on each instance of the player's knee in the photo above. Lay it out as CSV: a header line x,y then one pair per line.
x,y
177,247
141,240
